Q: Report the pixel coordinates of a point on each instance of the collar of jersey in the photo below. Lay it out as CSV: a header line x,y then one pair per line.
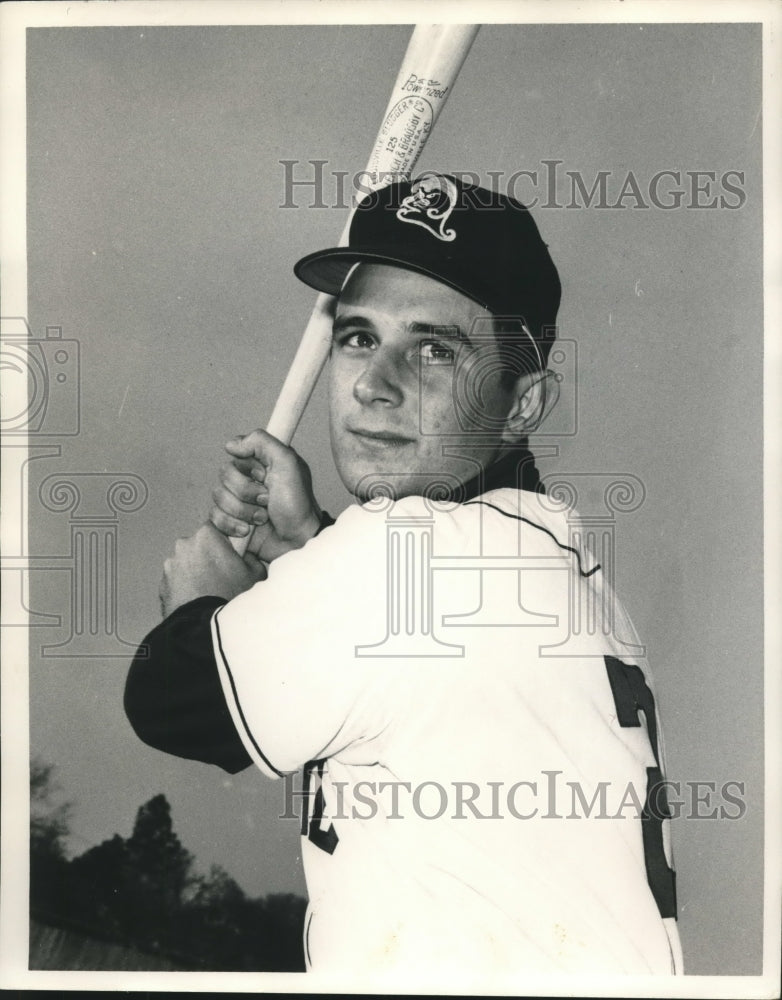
x,y
515,470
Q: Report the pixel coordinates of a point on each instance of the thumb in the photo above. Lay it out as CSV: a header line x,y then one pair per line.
x,y
257,444
241,446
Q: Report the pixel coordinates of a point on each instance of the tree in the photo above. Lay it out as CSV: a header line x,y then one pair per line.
x,y
285,913
216,920
142,892
49,826
49,821
157,855
134,889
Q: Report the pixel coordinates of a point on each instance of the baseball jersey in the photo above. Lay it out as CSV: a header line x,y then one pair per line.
x,y
482,765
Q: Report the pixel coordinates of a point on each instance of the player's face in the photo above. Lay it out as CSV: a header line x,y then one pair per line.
x,y
403,365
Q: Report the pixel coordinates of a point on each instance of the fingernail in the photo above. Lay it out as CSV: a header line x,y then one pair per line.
x,y
261,498
243,529
260,517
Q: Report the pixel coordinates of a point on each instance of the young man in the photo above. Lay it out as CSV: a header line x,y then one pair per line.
x,y
482,775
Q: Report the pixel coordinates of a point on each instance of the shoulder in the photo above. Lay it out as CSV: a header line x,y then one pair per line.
x,y
516,520
535,510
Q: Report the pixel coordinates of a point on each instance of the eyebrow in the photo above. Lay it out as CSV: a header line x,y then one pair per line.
x,y
446,331
344,322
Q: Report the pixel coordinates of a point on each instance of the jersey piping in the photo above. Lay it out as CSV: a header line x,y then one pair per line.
x,y
237,703
517,517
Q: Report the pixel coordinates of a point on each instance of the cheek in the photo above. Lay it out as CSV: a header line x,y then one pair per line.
x,y
435,402
483,403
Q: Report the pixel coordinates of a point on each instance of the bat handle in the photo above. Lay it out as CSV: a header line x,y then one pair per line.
x,y
304,371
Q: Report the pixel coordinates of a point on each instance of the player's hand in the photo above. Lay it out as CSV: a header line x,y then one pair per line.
x,y
268,487
205,565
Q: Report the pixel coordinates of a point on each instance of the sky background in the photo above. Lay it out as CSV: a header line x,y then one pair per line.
x,y
157,241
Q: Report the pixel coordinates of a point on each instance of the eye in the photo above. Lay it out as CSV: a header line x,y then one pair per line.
x,y
435,353
357,340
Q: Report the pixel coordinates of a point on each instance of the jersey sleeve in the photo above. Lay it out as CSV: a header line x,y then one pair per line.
x,y
173,699
288,654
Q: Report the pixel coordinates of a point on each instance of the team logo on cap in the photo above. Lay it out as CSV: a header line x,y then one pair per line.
x,y
429,204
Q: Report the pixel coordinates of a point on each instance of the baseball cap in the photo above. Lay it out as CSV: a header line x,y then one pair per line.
x,y
479,242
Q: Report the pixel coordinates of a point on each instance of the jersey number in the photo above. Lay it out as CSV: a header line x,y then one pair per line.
x,y
631,695
311,828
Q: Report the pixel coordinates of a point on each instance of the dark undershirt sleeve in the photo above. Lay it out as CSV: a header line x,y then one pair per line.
x,y
326,521
173,696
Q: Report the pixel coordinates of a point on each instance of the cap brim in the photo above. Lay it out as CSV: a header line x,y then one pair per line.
x,y
326,270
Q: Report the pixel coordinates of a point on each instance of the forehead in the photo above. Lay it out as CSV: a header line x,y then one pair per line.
x,y
406,296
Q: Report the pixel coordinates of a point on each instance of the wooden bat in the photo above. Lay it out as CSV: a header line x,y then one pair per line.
x,y
434,56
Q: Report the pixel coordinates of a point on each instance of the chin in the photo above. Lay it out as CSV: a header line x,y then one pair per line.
x,y
367,480
371,484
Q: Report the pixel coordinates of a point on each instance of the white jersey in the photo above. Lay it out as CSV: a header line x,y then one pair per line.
x,y
478,738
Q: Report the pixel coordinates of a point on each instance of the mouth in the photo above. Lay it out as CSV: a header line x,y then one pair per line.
x,y
380,439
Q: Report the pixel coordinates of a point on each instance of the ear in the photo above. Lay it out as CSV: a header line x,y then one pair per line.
x,y
534,396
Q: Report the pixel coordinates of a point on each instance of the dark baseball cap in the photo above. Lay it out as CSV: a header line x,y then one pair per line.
x,y
481,243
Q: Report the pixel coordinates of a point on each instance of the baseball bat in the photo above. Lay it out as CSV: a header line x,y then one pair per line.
x,y
434,56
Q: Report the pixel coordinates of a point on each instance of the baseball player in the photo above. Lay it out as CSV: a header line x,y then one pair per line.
x,y
482,781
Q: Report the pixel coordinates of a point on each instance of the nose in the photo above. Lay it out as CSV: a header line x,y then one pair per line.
x,y
379,382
